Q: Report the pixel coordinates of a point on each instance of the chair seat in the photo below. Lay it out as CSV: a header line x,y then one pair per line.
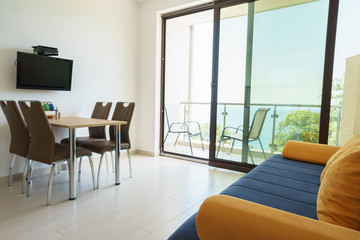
x,y
101,147
62,152
80,140
236,136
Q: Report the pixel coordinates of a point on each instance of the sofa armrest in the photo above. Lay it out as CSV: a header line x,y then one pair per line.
x,y
225,217
308,152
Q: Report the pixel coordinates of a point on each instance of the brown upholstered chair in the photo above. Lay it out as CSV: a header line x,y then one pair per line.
x,y
42,147
95,133
19,143
101,111
123,112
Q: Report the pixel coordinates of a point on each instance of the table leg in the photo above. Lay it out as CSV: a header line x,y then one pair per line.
x,y
72,170
117,154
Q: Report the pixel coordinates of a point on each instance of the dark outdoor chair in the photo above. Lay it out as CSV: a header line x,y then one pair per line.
x,y
123,112
191,128
19,143
254,133
42,146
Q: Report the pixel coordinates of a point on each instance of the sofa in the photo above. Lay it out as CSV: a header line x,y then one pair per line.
x,y
310,191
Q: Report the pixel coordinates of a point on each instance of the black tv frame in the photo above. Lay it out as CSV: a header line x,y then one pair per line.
x,y
65,86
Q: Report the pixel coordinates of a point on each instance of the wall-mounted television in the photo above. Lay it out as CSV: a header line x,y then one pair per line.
x,y
42,72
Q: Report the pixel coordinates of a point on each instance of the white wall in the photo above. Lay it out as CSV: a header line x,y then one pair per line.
x,y
102,39
149,69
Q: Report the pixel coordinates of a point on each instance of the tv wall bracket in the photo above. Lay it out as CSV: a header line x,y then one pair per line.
x,y
45,51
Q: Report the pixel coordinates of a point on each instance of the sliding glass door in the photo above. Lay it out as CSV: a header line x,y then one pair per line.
x,y
187,73
248,76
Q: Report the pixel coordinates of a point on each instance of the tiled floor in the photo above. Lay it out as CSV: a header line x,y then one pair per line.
x,y
162,194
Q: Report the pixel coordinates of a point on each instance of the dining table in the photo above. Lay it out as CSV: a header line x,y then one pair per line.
x,y
73,123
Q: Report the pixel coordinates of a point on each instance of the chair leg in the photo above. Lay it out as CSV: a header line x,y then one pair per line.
x,y
130,168
92,171
166,137
190,144
24,176
79,171
202,143
99,170
106,161
217,152
50,183
11,170
59,168
262,148
28,177
177,138
232,146
251,156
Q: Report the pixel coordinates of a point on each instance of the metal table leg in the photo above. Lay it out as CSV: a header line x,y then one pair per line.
x,y
117,154
72,170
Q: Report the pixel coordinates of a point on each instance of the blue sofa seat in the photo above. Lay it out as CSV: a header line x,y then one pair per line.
x,y
279,183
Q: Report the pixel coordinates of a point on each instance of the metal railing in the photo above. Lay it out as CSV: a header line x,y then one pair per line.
x,y
276,110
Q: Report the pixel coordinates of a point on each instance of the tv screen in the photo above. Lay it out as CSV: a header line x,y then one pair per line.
x,y
42,72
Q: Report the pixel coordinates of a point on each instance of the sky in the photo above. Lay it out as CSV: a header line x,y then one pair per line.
x,y
288,57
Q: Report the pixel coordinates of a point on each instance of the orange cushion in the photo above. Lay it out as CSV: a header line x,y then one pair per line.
x,y
308,152
338,199
355,141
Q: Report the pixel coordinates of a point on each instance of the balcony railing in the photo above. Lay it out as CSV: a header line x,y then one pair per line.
x,y
230,114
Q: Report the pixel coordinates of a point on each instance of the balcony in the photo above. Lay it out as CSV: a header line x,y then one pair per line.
x,y
283,122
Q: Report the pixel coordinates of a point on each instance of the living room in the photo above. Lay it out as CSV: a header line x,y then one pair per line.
x,y
116,52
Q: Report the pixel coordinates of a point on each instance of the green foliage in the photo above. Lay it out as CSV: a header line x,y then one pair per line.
x,y
205,128
303,125
337,91
300,125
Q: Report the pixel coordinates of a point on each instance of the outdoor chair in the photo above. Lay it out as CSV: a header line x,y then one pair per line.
x,y
254,132
191,128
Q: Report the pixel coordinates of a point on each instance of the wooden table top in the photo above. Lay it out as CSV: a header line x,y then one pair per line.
x,y
79,122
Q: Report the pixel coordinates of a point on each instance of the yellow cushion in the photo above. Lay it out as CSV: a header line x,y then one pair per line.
x,y
355,141
308,152
338,199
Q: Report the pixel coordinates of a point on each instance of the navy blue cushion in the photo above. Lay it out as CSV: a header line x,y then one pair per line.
x,y
280,183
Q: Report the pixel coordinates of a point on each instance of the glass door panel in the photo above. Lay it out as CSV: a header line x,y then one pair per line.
x,y
231,81
344,123
188,55
271,64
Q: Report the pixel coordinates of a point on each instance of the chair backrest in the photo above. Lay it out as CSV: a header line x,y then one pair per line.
x,y
19,143
172,114
123,112
167,117
42,144
258,122
100,112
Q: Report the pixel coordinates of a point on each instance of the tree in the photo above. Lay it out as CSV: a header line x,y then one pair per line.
x,y
303,125
300,125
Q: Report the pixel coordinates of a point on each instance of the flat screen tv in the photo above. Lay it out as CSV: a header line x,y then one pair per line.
x,y
42,72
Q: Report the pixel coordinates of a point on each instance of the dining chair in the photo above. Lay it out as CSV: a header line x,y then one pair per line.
x,y
20,138
254,132
42,147
101,111
123,112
